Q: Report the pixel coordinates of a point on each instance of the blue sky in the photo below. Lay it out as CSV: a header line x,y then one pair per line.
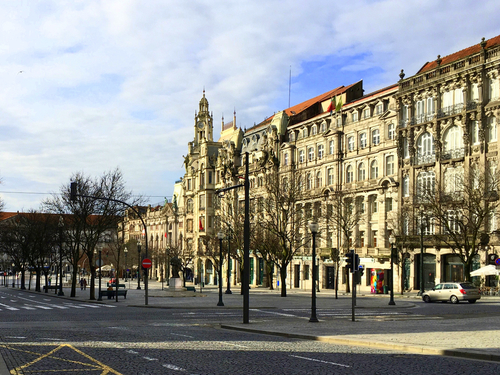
x,y
94,85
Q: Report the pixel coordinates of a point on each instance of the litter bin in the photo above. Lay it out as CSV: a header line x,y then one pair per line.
x,y
386,289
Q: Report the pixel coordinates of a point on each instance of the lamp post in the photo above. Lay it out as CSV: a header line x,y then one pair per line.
x,y
421,251
139,264
392,241
125,251
228,290
61,226
220,235
313,227
100,273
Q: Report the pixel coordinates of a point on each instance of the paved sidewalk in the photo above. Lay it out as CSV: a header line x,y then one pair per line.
x,y
475,338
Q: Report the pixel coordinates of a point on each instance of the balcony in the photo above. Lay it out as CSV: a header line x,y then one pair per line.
x,y
424,159
450,110
457,153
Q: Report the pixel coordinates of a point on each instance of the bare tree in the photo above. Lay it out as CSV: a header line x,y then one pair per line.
x,y
459,210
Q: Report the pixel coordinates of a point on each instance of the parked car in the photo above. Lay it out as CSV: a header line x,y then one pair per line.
x,y
453,292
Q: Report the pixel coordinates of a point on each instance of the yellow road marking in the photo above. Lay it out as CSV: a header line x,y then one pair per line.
x,y
95,366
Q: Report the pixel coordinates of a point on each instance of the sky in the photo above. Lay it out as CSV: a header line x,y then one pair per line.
x,y
91,86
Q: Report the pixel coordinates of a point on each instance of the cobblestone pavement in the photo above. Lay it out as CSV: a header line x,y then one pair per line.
x,y
381,327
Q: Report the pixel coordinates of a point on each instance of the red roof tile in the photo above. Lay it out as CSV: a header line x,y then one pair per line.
x,y
460,54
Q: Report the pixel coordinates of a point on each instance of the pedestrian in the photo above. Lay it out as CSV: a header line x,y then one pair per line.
x,y
81,284
84,284
50,279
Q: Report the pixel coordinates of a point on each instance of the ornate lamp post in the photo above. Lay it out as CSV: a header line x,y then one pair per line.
x,y
228,290
100,273
392,241
422,227
61,226
139,264
220,235
313,227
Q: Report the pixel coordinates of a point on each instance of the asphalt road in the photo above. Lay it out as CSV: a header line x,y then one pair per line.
x,y
40,334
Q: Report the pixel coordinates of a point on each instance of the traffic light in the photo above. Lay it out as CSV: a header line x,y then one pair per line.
x,y
356,262
361,270
350,260
492,258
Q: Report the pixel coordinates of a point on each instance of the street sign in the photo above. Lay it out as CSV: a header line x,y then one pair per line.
x,y
497,261
146,263
99,262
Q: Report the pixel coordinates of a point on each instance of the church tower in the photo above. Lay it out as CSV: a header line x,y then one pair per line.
x,y
203,123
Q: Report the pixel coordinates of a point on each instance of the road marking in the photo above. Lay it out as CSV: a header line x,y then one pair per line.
x,y
273,313
74,306
173,367
132,352
150,359
177,334
27,308
8,307
231,344
43,307
319,360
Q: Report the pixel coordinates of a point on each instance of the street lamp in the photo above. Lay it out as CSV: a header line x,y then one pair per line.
x,y
421,251
61,226
220,235
392,241
228,290
139,264
313,227
125,251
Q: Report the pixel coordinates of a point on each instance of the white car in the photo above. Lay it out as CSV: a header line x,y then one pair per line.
x,y
453,292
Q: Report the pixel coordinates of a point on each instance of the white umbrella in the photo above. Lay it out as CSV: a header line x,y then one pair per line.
x,y
106,268
486,271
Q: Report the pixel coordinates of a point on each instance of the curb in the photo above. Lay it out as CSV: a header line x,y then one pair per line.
x,y
417,349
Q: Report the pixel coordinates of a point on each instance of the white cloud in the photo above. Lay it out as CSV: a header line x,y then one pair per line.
x,y
116,83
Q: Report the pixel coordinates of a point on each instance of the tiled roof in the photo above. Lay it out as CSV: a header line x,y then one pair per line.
x,y
375,93
228,125
460,54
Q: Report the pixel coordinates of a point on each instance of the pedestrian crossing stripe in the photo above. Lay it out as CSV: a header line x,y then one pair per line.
x,y
91,364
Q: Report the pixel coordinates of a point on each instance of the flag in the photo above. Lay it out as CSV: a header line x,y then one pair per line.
x,y
143,231
201,225
165,234
331,106
338,107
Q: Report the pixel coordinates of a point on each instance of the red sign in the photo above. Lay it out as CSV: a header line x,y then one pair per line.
x,y
146,263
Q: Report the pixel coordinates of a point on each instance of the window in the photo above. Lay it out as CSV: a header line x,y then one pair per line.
x,y
406,150
389,165
332,147
375,137
304,133
391,131
349,174
406,186
453,139
475,132
202,201
330,176
425,148
419,111
339,121
374,238
321,151
310,153
374,205
350,143
493,88
379,108
292,136
285,159
302,156
366,113
189,224
189,186
362,239
374,170
361,172
306,272
431,108
404,115
210,177
492,129
474,92
314,130
323,127
425,184
388,204
309,182
354,116
319,180
362,140
453,179
189,206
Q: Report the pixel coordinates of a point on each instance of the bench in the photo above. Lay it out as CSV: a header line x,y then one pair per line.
x,y
46,287
111,294
190,289
119,285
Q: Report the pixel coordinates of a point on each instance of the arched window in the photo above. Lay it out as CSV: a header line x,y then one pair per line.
x,y
374,169
492,129
349,177
453,139
361,172
330,176
425,149
389,165
321,151
425,184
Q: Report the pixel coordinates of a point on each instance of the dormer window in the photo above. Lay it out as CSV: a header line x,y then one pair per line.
x,y
354,116
379,109
292,137
314,130
304,133
366,113
323,127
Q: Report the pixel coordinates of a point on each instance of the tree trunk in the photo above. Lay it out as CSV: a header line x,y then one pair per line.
x,y
347,284
283,281
337,281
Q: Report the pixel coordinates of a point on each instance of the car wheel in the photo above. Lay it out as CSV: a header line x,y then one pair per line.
x,y
454,299
427,299
472,300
